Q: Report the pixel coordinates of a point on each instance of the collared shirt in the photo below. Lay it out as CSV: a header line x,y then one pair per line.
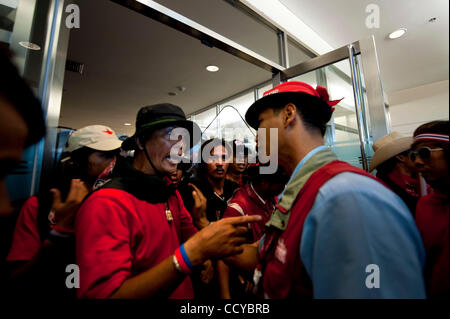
x,y
358,234
246,201
301,163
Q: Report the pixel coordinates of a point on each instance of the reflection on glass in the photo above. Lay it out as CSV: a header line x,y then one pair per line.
x,y
342,134
309,78
241,104
8,11
264,89
297,55
205,121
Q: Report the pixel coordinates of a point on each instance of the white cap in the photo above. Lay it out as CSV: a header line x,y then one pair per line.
x,y
97,137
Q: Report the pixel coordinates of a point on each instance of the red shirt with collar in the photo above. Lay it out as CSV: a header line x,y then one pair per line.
x,y
247,202
119,236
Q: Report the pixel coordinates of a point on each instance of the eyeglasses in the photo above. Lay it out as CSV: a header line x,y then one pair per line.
x,y
423,152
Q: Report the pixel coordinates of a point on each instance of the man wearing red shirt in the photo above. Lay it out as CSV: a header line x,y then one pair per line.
x,y
128,233
257,197
333,222
430,154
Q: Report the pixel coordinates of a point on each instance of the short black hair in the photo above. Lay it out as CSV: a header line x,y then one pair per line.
x,y
14,88
314,112
215,142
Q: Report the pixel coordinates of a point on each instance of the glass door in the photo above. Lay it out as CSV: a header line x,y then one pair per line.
x,y
361,117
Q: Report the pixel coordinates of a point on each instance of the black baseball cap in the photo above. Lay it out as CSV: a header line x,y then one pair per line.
x,y
154,117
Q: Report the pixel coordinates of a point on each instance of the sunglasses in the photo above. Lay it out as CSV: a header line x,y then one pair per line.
x,y
423,152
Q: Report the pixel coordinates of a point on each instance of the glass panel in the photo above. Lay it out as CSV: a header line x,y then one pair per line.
x,y
365,109
8,11
214,14
205,121
342,131
343,134
297,54
310,78
264,89
241,104
232,126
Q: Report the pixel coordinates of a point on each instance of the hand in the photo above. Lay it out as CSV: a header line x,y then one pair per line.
x,y
207,274
220,239
65,211
199,209
248,285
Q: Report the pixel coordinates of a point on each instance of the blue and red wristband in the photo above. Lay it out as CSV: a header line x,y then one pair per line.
x,y
182,260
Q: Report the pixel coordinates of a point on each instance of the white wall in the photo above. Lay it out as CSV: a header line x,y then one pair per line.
x,y
412,107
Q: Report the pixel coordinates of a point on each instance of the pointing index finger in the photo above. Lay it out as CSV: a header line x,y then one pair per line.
x,y
244,219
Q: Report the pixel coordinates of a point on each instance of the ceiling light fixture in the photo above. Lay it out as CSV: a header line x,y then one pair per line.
x,y
397,33
30,45
212,68
127,124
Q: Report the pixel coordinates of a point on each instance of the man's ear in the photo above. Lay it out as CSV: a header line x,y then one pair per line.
x,y
139,144
290,110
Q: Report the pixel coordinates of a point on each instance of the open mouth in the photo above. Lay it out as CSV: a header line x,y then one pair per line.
x,y
172,160
220,171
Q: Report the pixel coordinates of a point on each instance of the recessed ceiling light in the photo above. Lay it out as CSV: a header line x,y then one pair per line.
x,y
212,68
397,33
127,124
30,45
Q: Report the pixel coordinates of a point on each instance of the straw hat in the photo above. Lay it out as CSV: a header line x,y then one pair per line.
x,y
389,146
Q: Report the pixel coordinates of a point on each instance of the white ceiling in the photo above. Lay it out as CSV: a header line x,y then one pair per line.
x,y
418,58
132,61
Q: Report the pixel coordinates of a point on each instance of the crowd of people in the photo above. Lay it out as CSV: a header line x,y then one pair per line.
x,y
138,223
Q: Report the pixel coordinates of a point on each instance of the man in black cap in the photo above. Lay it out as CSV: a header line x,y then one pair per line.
x,y
135,238
336,231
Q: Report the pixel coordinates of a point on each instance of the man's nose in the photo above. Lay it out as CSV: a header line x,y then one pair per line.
x,y
418,161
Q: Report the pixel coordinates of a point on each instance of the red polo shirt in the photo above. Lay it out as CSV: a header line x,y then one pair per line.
x,y
119,236
247,202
